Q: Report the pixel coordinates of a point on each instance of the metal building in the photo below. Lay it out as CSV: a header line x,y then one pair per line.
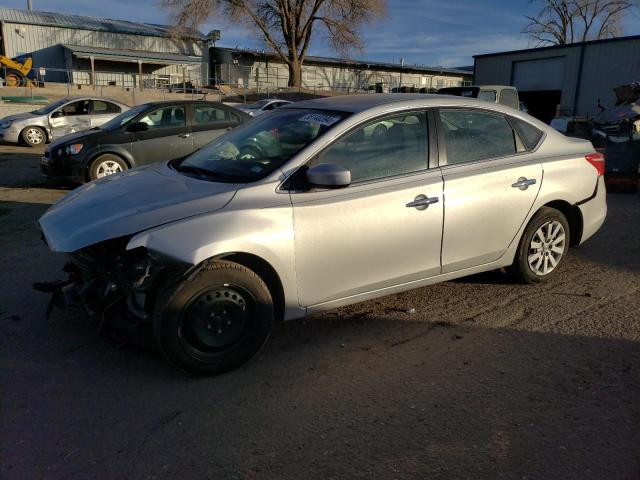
x,y
263,70
576,76
99,51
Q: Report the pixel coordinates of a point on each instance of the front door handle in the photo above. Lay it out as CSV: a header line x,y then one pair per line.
x,y
523,183
184,135
421,202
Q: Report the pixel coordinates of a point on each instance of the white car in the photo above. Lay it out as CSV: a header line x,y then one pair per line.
x,y
263,106
68,115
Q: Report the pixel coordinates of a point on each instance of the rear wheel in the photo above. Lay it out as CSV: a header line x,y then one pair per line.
x,y
33,136
106,164
543,246
215,319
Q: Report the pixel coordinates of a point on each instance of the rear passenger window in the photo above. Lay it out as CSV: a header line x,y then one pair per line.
x,y
101,108
475,135
386,147
206,114
529,134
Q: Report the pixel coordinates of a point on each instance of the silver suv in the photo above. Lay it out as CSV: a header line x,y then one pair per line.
x,y
311,207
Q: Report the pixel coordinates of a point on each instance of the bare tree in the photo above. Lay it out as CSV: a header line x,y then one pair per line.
x,y
287,26
567,21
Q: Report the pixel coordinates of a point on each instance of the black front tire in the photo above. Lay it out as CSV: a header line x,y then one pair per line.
x,y
191,329
105,163
521,270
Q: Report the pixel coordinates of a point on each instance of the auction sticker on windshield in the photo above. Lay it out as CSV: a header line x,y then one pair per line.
x,y
320,118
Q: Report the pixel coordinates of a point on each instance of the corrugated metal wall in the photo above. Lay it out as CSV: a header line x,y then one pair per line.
x,y
43,44
276,75
605,65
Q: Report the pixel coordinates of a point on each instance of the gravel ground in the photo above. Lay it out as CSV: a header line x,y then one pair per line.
x,y
476,378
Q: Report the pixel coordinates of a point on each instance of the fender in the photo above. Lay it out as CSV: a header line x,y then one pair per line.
x,y
264,232
116,149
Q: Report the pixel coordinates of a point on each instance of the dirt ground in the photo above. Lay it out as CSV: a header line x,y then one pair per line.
x,y
476,378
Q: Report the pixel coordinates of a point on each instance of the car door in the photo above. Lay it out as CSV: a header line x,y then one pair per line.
x,y
102,111
490,184
70,118
382,230
209,121
167,136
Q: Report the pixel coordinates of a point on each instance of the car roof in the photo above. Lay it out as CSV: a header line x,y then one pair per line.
x,y
107,99
362,102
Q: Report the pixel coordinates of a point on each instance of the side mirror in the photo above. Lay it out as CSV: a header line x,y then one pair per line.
x,y
138,127
57,114
329,175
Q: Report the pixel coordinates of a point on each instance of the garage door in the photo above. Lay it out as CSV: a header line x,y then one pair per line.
x,y
542,74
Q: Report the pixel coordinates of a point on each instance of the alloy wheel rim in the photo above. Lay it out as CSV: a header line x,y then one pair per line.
x,y
108,167
34,136
546,248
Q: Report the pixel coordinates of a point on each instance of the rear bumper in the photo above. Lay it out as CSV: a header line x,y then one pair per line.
x,y
594,211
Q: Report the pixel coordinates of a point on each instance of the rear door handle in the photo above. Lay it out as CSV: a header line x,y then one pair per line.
x,y
421,202
523,183
184,135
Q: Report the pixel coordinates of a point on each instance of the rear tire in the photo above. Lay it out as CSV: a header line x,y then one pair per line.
x,y
543,247
105,165
215,319
33,136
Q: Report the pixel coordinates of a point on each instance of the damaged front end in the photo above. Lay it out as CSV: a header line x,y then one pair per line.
x,y
116,287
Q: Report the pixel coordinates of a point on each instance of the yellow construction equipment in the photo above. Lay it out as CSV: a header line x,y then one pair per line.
x,y
15,73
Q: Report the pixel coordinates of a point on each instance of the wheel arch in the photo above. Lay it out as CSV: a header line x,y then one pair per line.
x,y
266,272
574,217
124,156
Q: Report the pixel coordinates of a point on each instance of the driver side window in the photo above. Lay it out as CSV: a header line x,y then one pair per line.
x,y
72,109
167,117
385,147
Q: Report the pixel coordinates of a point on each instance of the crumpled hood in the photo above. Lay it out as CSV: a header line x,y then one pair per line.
x,y
128,203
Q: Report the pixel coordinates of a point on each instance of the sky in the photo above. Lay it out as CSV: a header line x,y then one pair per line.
x,y
426,32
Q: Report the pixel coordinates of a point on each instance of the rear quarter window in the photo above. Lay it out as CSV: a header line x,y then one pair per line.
x,y
529,134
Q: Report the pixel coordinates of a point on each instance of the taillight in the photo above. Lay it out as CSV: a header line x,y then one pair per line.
x,y
597,160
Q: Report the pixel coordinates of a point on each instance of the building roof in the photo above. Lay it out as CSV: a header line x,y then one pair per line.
x,y
63,20
556,47
121,55
311,60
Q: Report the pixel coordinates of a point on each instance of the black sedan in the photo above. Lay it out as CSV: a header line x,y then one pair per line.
x,y
147,133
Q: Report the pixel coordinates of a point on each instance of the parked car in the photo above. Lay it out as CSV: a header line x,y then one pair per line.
x,y
152,132
502,94
209,250
263,106
57,119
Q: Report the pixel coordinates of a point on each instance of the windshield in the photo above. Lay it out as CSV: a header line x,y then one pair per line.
x,y
51,107
123,118
256,149
257,105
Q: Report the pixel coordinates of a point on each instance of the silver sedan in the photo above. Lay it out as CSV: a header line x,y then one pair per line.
x,y
68,115
303,210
